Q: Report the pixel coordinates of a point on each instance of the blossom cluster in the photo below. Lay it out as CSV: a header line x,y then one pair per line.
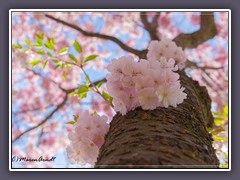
x,y
86,138
147,83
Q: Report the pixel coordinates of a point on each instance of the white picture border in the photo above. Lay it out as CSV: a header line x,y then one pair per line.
x,y
115,10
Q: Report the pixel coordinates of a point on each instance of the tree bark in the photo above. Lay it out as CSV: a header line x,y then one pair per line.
x,y
164,137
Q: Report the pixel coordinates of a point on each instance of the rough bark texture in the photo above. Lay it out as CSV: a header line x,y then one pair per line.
x,y
164,137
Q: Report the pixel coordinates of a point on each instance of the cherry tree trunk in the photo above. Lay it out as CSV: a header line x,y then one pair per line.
x,y
164,137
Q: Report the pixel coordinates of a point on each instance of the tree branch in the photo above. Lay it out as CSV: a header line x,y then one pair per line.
x,y
45,120
94,83
52,81
193,65
207,31
98,35
33,109
55,110
151,27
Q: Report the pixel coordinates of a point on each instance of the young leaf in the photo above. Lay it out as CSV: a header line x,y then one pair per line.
x,y
75,118
209,129
40,36
216,131
82,89
77,46
83,95
57,66
39,41
71,122
107,97
225,111
73,58
49,45
28,42
68,65
90,58
219,138
93,113
55,60
45,63
218,121
35,62
87,79
110,100
50,54
16,46
62,66
51,42
37,45
64,75
99,84
63,50
40,52
24,50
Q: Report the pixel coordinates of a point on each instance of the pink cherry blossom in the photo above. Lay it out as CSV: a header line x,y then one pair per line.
x,y
171,95
83,152
119,106
86,138
148,98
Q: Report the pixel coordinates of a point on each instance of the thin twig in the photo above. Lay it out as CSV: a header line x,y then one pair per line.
x,y
45,120
151,27
98,35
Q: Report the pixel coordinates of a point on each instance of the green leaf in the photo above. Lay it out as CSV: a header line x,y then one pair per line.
x,y
24,50
75,118
50,54
62,65
40,52
51,42
40,36
45,63
216,131
63,50
90,58
37,45
224,166
218,121
73,58
83,95
49,45
225,111
209,129
64,75
82,89
220,138
87,79
77,46
71,122
16,46
39,41
57,66
81,92
28,42
55,60
93,113
100,84
110,101
35,62
107,97
68,66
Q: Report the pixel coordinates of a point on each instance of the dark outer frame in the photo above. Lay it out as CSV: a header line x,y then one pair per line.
x,y
150,4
